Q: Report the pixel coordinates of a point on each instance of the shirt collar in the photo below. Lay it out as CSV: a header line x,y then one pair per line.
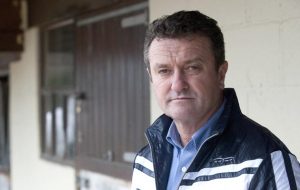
x,y
200,135
208,128
173,136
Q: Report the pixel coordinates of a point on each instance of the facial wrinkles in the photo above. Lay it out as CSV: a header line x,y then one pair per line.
x,y
165,55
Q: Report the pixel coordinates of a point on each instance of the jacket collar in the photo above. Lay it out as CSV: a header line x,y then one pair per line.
x,y
161,151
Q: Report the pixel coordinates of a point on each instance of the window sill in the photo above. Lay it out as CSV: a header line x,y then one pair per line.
x,y
58,160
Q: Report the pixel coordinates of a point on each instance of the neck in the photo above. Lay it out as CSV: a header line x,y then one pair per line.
x,y
186,131
187,128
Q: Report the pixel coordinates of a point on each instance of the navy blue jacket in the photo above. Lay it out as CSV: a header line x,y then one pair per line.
x,y
241,154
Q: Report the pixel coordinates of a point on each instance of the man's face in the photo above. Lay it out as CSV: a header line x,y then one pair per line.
x,y
184,77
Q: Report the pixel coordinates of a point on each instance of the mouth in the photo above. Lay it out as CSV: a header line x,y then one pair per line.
x,y
181,99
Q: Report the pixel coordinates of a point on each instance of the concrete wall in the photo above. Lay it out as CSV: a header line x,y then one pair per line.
x,y
28,170
262,47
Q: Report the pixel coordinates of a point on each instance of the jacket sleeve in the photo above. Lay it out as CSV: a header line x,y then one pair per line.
x,y
143,172
279,171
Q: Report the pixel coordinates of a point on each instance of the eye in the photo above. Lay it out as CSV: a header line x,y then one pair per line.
x,y
164,71
193,69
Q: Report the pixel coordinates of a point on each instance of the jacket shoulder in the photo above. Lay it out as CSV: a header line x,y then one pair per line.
x,y
145,152
255,138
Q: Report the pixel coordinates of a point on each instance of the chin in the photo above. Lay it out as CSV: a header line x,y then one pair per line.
x,y
179,115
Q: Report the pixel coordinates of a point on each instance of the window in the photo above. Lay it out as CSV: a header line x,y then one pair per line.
x,y
58,98
102,124
4,133
111,74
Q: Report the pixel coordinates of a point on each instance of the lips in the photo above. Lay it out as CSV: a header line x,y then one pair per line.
x,y
181,98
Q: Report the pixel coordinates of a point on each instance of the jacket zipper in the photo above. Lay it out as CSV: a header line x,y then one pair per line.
x,y
194,156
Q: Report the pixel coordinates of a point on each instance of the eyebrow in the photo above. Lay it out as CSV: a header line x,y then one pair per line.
x,y
160,65
189,61
197,59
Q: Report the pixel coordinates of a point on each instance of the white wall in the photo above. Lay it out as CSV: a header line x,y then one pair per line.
x,y
263,50
28,170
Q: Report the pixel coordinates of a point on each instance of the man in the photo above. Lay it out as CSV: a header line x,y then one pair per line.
x,y
203,141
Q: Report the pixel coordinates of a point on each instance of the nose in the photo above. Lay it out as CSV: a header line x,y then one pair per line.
x,y
179,82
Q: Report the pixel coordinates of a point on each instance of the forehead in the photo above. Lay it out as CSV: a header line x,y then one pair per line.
x,y
180,48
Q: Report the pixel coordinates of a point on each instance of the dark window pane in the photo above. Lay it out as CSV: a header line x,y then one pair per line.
x,y
4,142
48,123
59,111
59,58
70,124
58,99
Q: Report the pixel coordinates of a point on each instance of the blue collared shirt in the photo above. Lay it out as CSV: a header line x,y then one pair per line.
x,y
183,156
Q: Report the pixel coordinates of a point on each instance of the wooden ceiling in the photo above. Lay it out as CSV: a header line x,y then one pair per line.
x,y
40,12
11,34
10,26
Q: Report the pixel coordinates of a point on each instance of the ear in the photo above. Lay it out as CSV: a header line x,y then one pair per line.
x,y
149,74
222,73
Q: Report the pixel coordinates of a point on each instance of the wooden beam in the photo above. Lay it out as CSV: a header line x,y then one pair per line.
x,y
11,39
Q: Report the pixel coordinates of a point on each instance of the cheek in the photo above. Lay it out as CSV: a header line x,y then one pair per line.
x,y
204,85
160,90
